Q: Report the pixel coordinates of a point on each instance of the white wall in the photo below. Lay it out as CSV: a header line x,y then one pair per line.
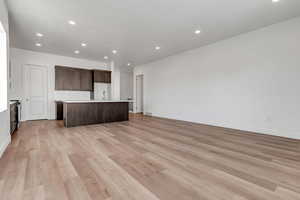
x,y
115,82
249,82
4,116
126,85
20,57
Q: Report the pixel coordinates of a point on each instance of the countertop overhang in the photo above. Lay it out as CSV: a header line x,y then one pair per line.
x,y
97,101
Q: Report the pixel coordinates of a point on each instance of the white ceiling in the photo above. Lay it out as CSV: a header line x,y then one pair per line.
x,y
135,27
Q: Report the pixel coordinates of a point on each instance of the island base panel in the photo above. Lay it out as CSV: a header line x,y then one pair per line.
x,y
78,114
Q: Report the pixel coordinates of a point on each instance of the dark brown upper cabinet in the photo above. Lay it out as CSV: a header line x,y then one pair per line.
x,y
108,77
101,76
67,78
86,80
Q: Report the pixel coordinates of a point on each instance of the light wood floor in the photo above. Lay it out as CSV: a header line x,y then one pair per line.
x,y
147,159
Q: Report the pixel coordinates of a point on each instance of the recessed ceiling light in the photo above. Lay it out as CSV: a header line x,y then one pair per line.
x,y
38,44
105,57
275,1
83,44
71,22
77,52
157,48
39,34
197,32
128,64
114,51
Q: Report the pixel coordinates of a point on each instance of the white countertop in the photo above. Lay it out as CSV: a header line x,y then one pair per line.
x,y
95,101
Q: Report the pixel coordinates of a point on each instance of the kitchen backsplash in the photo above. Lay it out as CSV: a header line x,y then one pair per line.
x,y
71,95
102,91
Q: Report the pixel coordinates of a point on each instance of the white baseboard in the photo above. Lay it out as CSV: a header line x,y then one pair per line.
x,y
4,145
266,131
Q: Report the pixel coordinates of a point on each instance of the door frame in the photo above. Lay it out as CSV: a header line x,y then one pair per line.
x,y
26,93
137,93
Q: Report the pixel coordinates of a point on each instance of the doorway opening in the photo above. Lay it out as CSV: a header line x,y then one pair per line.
x,y
140,94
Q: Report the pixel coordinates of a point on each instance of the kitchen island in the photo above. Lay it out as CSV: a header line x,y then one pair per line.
x,y
78,113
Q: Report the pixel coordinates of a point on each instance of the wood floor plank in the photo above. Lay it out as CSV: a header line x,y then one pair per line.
x,y
120,184
53,181
16,192
76,189
37,193
33,171
93,183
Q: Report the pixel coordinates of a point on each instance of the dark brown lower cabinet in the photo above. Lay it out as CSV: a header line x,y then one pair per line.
x,y
59,110
14,118
77,114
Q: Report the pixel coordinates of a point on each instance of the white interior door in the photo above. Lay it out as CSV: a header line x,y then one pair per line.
x,y
36,92
139,94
